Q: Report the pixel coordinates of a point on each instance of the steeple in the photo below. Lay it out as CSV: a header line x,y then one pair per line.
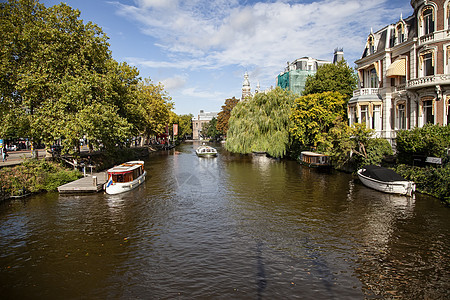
x,y
246,91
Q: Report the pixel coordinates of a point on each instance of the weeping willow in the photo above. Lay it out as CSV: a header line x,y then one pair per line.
x,y
261,124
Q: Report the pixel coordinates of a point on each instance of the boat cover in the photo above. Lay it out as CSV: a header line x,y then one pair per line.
x,y
381,174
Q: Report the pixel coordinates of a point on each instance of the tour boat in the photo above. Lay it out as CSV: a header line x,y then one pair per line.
x,y
205,151
125,177
313,159
385,180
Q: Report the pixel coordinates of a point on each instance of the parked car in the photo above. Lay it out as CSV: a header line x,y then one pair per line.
x,y
12,148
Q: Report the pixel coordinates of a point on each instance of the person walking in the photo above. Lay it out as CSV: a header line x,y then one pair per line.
x,y
4,154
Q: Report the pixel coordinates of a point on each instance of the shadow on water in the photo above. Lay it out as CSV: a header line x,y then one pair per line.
x,y
261,273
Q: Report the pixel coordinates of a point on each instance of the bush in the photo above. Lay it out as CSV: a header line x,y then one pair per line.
x,y
34,176
429,140
430,180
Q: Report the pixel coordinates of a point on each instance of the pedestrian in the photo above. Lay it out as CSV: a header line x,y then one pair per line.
x,y
4,154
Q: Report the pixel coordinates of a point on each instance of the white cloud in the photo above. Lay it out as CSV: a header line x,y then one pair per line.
x,y
217,33
174,83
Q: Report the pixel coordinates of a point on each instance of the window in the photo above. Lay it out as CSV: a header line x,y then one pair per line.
x,y
373,78
428,21
364,115
428,64
428,112
376,117
352,115
400,34
448,110
401,116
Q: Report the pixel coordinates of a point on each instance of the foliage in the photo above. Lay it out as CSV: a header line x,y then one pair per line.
x,y
429,180
59,81
184,124
154,108
35,176
332,78
210,129
429,140
314,114
224,115
261,124
353,146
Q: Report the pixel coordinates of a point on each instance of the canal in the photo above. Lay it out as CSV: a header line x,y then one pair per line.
x,y
230,227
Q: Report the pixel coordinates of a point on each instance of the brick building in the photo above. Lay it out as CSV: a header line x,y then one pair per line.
x,y
404,79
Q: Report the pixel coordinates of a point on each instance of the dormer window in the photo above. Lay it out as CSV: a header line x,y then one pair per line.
x,y
427,21
400,33
370,46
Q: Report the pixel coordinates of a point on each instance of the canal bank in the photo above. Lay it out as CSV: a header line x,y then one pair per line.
x,y
25,176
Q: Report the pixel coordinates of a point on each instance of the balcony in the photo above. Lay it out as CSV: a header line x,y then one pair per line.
x,y
428,81
426,38
366,91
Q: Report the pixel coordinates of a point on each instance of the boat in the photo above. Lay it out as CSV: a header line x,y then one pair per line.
x,y
313,159
206,151
385,180
125,177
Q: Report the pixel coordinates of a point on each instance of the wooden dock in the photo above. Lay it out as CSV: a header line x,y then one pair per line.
x,y
89,184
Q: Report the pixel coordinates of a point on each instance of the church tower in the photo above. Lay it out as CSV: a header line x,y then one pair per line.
x,y
246,91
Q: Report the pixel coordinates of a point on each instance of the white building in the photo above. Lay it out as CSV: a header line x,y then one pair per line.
x,y
199,122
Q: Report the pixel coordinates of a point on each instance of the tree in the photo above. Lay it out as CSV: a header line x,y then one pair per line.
x,y
154,108
224,115
210,129
59,81
313,115
332,78
353,146
261,124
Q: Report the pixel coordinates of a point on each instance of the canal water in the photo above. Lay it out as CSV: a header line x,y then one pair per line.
x,y
230,227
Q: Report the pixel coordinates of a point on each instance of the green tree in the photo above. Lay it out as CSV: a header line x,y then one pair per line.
x,y
313,115
184,124
210,129
332,78
353,147
59,81
224,115
261,124
155,108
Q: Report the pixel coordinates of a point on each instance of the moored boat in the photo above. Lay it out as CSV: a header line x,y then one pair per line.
x,y
385,180
206,151
125,177
313,159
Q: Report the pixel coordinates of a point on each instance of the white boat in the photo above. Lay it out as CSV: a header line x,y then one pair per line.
x,y
385,180
205,151
125,177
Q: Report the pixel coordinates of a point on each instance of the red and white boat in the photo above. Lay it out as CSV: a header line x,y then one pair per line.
x,y
125,177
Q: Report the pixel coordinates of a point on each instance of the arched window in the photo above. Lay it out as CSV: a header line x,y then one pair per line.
x,y
370,46
427,20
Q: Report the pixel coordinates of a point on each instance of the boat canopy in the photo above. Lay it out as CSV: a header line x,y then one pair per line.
x,y
381,174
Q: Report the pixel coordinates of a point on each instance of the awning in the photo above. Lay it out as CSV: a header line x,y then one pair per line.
x,y
397,68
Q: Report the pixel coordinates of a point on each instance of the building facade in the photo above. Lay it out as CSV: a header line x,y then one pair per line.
x,y
199,122
294,76
404,79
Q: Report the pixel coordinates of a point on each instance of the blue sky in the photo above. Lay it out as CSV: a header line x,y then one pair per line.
x,y
200,49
